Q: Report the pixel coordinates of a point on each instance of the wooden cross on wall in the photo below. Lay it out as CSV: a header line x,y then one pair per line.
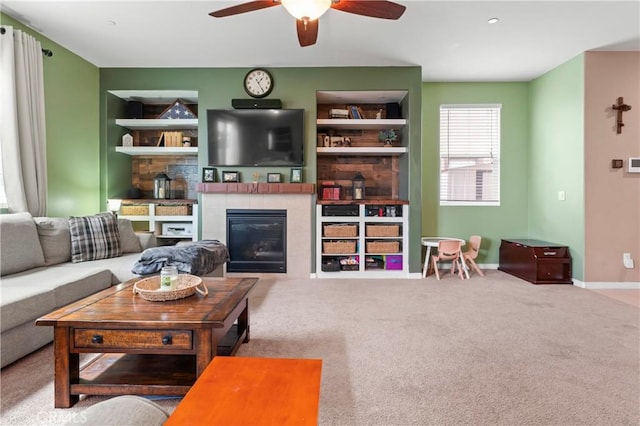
x,y
620,107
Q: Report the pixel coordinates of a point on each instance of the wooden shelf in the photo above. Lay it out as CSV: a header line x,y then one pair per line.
x,y
156,96
256,188
157,123
336,123
156,150
393,150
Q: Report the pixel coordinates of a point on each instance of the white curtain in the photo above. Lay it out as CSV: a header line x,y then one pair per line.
x,y
22,128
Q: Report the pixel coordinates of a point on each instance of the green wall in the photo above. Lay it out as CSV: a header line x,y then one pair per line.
x,y
71,87
509,220
556,156
296,87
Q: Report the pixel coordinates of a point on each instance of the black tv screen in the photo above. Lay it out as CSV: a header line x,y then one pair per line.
x,y
255,137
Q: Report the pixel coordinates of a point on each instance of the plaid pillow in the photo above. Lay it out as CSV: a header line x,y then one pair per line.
x,y
94,237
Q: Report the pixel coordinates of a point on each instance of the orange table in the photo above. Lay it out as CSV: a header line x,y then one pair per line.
x,y
252,391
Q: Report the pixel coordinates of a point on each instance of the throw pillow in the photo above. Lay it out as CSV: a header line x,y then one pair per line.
x,y
94,237
55,239
129,241
19,246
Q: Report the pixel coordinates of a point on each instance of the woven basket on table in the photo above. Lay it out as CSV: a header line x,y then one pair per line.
x,y
341,230
383,230
149,288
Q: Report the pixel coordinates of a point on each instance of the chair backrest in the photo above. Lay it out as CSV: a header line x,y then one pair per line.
x,y
449,249
474,246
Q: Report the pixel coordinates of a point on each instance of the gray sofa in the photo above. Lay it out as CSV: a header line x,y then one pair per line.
x,y
37,275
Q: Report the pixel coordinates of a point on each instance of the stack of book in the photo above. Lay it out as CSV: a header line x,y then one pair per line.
x,y
338,113
170,139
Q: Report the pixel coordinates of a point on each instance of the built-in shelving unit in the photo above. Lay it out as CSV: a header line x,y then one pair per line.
x,y
347,146
164,226
358,255
146,130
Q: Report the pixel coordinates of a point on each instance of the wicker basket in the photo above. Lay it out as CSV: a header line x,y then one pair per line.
x,y
338,247
341,230
149,288
383,230
135,210
172,210
383,246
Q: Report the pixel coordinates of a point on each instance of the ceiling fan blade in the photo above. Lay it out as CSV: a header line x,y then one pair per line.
x,y
244,7
372,8
307,31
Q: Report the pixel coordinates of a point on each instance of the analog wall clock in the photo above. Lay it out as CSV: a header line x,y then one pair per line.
x,y
258,83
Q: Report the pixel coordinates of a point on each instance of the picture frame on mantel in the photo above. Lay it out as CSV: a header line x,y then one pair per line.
x,y
274,178
208,174
296,175
230,176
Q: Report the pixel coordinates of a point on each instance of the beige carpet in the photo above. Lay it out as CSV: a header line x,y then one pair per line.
x,y
487,351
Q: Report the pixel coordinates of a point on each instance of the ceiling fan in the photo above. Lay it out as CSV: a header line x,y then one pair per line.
x,y
307,12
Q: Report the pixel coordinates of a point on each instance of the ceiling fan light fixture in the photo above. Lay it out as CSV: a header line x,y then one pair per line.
x,y
306,10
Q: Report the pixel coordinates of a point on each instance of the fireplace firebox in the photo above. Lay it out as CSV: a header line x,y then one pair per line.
x,y
257,241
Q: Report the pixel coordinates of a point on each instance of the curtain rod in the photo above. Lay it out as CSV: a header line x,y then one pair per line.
x,y
46,52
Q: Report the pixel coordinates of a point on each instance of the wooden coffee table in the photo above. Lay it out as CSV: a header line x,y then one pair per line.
x,y
147,348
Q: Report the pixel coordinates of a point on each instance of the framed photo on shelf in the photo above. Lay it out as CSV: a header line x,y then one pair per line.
x,y
208,174
228,176
296,175
273,177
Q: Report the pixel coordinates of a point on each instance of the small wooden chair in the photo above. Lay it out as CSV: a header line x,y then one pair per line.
x,y
471,254
448,250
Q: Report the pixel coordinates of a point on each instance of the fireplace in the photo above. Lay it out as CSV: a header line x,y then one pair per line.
x,y
257,240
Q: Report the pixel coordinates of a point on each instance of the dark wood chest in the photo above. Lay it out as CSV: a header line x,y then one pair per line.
x,y
539,262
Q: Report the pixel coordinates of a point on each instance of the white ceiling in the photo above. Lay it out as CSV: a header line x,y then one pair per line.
x,y
450,40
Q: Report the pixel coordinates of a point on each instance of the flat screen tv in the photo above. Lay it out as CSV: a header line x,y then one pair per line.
x,y
255,137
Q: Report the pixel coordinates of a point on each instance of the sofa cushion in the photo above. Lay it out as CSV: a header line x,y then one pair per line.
x,y
94,237
55,239
129,241
20,301
118,267
19,244
28,295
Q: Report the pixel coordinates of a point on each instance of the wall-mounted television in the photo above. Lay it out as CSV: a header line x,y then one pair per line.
x,y
255,137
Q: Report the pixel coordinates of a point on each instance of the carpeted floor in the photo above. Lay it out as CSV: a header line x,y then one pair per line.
x,y
485,351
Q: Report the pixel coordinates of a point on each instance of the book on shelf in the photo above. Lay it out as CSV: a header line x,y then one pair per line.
x,y
354,112
338,113
361,113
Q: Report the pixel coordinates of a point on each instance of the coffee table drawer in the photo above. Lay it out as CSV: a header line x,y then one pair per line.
x,y
132,339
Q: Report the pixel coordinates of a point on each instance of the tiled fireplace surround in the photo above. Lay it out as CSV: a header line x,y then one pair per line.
x,y
299,209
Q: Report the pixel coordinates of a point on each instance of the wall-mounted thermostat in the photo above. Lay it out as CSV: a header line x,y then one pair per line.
x,y
634,165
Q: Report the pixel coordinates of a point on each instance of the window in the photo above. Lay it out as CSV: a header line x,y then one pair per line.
x,y
470,155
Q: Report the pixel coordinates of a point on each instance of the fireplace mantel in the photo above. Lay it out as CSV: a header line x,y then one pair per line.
x,y
256,188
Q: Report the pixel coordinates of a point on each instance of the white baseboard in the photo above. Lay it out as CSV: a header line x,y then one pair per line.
x,y
607,285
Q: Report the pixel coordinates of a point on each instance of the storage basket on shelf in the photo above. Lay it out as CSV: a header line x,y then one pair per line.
x,y
162,210
134,210
383,246
338,247
341,230
383,230
149,288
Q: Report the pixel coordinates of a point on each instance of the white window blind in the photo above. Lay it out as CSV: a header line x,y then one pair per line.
x,y
470,155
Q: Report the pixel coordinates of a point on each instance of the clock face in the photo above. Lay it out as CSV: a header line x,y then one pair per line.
x,y
258,83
